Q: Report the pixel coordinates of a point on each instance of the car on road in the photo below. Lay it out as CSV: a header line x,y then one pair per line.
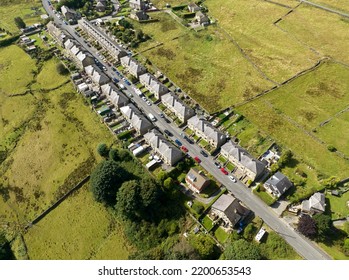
x,y
182,134
184,149
188,139
127,82
179,143
197,159
130,94
148,102
161,115
114,69
203,153
225,172
115,80
232,178
167,120
168,132
217,164
144,98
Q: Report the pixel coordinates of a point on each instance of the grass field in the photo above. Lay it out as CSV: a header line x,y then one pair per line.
x,y
339,5
16,8
78,229
290,113
208,67
48,141
338,205
276,53
319,29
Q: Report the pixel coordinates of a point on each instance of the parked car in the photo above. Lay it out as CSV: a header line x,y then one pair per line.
x,y
161,115
168,132
179,143
203,153
148,102
197,159
144,98
127,82
232,179
184,149
225,172
167,120
115,80
217,164
188,139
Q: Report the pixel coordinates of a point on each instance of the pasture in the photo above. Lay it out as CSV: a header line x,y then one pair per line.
x,y
290,114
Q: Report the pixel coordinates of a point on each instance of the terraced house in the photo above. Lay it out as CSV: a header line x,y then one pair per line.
x,y
114,95
207,131
139,122
96,74
175,105
133,66
169,153
247,167
81,57
114,49
153,85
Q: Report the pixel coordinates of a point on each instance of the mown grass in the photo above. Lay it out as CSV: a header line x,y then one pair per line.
x,y
162,3
338,205
78,229
334,4
11,9
319,29
283,115
276,53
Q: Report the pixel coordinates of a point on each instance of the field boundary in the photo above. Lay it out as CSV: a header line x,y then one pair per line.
x,y
59,201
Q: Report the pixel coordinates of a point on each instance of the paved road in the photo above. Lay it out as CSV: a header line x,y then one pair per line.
x,y
303,246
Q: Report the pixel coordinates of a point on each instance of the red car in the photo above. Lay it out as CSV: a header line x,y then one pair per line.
x,y
184,149
225,172
197,159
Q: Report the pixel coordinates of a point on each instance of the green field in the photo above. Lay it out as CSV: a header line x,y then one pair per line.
x,y
276,53
17,8
78,229
48,139
338,205
206,65
290,113
339,5
319,30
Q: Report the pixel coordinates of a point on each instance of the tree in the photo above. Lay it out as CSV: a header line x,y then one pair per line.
x,y
307,226
162,176
103,150
61,69
346,247
19,22
242,250
323,224
5,249
249,231
285,158
150,193
105,180
128,201
204,246
124,155
114,155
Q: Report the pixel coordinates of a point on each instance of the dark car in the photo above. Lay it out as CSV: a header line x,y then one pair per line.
x,y
217,164
167,120
203,153
188,139
168,132
179,143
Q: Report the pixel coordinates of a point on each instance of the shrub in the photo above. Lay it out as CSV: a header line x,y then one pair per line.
x,y
198,208
331,148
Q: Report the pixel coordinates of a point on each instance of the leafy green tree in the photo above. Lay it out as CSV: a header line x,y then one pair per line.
x,y
150,193
323,224
5,249
19,22
128,201
346,247
103,150
61,69
114,155
204,246
105,180
249,231
242,250
307,226
124,155
162,176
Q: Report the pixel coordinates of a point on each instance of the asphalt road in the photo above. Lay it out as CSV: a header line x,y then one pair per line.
x,y
306,248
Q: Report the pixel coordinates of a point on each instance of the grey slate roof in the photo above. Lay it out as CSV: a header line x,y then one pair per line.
x,y
134,116
133,66
242,156
280,182
166,149
96,74
316,203
114,95
177,105
231,207
208,129
155,86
